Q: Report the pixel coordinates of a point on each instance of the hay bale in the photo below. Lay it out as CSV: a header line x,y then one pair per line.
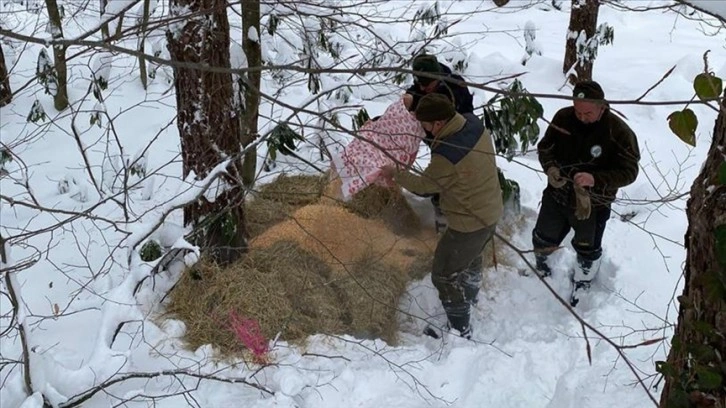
x,y
261,214
313,269
339,238
422,265
288,291
371,291
332,192
282,287
276,200
296,190
375,202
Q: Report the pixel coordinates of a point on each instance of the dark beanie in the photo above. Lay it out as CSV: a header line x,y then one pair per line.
x,y
433,107
426,63
588,90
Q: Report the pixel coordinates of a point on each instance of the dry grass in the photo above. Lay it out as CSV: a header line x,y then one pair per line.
x,y
288,291
376,202
295,190
275,201
388,205
312,268
341,238
262,214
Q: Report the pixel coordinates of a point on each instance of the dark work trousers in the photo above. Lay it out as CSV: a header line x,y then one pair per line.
x,y
457,272
555,221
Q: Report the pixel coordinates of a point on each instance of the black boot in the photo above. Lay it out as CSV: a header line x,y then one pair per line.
x,y
543,269
464,330
459,319
587,270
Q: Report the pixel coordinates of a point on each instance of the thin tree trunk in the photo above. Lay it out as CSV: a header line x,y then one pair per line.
x,y
60,99
583,25
208,125
120,25
251,108
104,27
695,372
6,94
142,41
16,303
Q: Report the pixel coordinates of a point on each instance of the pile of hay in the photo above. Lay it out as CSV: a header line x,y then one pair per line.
x,y
275,201
339,237
288,291
376,202
387,205
296,190
316,265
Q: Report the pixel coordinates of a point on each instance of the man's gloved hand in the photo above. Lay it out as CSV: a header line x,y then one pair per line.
x,y
554,177
583,206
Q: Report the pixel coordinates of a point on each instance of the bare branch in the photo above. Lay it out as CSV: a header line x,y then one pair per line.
x,y
79,399
303,69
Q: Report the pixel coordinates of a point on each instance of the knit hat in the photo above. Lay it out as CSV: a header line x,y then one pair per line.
x,y
588,90
426,63
433,107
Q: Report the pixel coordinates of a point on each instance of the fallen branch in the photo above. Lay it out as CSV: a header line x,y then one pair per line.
x,y
85,396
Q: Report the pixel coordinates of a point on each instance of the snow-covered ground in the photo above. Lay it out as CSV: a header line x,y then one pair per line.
x,y
528,350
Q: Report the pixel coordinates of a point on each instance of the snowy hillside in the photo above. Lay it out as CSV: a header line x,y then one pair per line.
x,y
69,218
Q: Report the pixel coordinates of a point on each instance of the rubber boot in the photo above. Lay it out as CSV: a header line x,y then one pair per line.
x,y
543,269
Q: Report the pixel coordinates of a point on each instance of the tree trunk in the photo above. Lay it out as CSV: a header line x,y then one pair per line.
x,y
142,41
6,95
119,26
104,27
250,110
208,125
696,369
583,25
60,99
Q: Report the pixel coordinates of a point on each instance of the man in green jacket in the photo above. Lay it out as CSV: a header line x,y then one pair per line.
x,y
588,153
463,172
458,94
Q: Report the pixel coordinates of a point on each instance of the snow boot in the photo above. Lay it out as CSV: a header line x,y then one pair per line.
x,y
543,269
459,320
432,331
582,278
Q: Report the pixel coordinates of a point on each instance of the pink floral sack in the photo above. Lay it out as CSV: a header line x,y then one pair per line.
x,y
392,139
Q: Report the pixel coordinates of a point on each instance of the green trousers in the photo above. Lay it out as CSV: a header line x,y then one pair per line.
x,y
457,272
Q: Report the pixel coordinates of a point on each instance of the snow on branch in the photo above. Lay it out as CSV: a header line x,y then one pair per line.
x,y
194,190
64,386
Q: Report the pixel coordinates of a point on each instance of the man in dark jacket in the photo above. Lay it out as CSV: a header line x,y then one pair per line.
x,y
424,85
463,171
588,153
459,95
